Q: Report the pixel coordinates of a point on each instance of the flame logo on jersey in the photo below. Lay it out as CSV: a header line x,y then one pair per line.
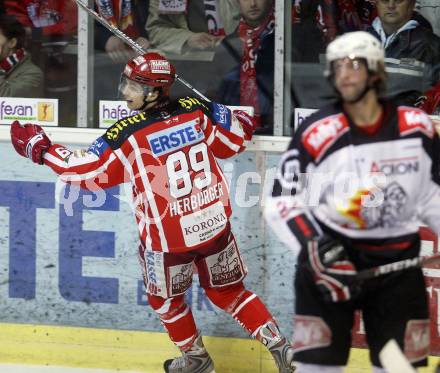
x,y
353,211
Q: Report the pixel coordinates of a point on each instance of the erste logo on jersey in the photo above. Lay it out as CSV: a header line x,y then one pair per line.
x,y
413,120
171,139
323,133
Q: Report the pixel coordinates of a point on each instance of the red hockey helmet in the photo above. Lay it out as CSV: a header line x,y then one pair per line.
x,y
150,69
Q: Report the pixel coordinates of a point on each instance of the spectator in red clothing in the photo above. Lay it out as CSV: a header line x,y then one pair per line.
x,y
53,17
52,25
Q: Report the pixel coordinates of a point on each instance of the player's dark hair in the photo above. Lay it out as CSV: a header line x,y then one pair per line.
x,y
11,28
381,84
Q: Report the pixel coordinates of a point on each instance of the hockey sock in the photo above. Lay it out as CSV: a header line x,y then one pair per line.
x,y
177,318
244,306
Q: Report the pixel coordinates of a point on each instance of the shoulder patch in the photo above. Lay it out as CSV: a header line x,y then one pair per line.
x,y
98,147
413,120
191,103
320,135
222,115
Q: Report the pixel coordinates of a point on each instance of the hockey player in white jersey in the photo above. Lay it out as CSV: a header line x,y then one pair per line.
x,y
358,179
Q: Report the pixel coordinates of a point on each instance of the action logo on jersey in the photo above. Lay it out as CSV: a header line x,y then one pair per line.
x,y
174,138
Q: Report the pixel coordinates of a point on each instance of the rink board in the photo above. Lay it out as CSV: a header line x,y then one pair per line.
x,y
75,263
137,351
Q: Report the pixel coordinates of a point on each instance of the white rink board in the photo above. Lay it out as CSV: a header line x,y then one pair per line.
x,y
82,270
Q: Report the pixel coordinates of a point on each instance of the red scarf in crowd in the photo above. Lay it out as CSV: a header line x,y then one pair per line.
x,y
251,37
119,13
212,14
12,61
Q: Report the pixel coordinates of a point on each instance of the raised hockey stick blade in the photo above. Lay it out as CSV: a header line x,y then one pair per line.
x,y
393,360
397,266
135,46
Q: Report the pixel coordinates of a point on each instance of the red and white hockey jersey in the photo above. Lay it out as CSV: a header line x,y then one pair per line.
x,y
375,190
169,156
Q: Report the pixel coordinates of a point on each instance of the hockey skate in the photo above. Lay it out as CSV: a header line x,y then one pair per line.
x,y
283,356
195,360
278,346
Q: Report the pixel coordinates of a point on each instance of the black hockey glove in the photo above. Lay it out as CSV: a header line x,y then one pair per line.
x,y
334,274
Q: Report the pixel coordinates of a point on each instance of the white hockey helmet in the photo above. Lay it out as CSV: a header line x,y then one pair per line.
x,y
357,44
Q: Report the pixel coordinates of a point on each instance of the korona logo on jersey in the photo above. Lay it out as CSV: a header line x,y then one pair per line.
x,y
171,139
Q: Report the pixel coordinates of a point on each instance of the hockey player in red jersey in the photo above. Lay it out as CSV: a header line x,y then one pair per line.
x,y
168,152
358,179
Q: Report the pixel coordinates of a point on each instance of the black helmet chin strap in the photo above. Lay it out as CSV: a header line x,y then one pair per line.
x,y
147,91
361,95
160,101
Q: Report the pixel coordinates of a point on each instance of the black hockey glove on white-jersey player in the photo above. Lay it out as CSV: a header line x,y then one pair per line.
x,y
333,272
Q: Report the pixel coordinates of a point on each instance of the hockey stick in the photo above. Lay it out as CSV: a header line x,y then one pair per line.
x,y
393,359
396,266
135,46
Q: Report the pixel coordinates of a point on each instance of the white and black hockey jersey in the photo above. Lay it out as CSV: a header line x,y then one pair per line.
x,y
372,190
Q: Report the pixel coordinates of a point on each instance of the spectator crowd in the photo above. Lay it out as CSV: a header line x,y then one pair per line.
x,y
225,47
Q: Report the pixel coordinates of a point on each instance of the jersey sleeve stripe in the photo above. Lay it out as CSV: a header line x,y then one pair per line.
x,y
225,140
150,196
143,221
211,137
77,176
55,161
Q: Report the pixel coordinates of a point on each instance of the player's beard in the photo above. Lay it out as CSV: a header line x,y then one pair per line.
x,y
357,96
